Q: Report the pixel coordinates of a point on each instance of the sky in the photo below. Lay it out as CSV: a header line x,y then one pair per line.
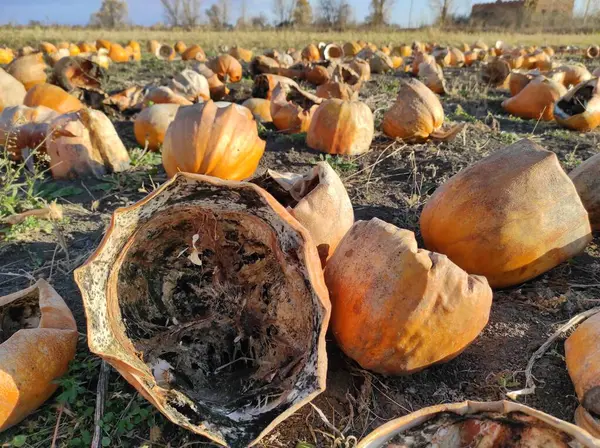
x,y
149,12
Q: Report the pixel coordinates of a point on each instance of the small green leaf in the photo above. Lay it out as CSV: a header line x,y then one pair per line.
x,y
19,440
105,441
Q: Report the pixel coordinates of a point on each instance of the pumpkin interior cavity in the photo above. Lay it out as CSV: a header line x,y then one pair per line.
x,y
22,314
286,193
455,431
578,102
209,308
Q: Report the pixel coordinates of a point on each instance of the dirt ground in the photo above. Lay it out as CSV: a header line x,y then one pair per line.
x,y
391,182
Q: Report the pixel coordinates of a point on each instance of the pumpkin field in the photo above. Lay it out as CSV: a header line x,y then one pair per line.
x,y
289,239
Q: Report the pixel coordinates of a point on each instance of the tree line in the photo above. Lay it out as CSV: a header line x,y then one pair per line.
x,y
332,14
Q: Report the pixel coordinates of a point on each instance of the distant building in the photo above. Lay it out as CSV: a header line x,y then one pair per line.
x,y
519,12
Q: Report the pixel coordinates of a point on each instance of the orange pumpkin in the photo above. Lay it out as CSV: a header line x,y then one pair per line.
x,y
579,109
311,53
153,46
317,75
582,354
164,95
53,97
518,81
74,50
570,75
404,51
180,47
218,90
318,200
218,141
412,301
226,67
30,70
118,54
6,56
194,53
12,92
151,125
103,43
39,339
351,48
416,115
254,252
587,182
260,108
510,217
537,100
289,117
473,423
341,127
241,54
85,47
48,48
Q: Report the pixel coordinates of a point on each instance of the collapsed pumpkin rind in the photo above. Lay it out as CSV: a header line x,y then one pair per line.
x,y
397,309
38,354
510,217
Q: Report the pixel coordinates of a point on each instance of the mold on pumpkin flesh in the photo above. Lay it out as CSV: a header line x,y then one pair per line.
x,y
455,431
21,314
215,300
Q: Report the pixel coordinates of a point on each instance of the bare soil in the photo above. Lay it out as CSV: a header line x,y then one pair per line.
x,y
391,182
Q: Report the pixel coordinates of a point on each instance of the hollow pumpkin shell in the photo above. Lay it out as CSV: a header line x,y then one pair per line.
x,y
582,354
276,263
510,217
579,109
412,301
37,354
498,423
218,141
320,202
53,97
536,101
416,115
341,127
191,85
151,125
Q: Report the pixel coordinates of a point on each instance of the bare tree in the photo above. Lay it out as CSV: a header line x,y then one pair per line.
x,y
380,12
303,13
442,9
283,10
259,21
182,12
214,15
327,12
242,21
112,14
344,15
225,8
